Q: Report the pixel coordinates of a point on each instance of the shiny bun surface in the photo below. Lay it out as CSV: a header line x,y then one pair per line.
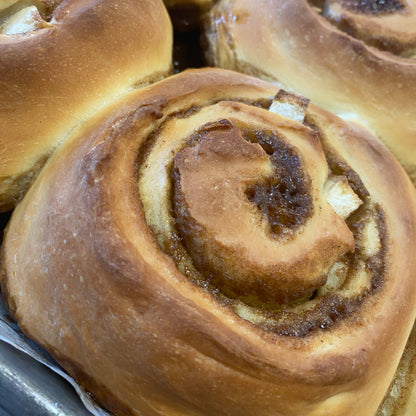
x,y
211,244
60,62
353,58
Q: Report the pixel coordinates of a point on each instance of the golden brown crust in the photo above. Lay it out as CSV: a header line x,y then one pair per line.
x,y
91,275
53,77
291,43
386,25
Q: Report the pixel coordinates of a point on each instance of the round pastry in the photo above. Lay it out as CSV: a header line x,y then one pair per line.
x,y
353,58
60,61
211,245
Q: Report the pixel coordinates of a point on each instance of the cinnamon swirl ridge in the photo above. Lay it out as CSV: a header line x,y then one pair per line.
x,y
213,245
353,58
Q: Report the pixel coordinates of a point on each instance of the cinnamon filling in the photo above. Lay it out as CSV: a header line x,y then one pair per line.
x,y
385,24
362,276
228,176
284,198
246,248
373,6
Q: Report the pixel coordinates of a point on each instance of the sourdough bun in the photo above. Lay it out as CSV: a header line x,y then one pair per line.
x,y
59,63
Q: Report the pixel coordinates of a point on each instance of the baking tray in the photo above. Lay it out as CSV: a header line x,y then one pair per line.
x,y
28,388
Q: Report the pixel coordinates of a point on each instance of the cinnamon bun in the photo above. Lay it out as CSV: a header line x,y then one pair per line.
x,y
60,62
213,245
353,58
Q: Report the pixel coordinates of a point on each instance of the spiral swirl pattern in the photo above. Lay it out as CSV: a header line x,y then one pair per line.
x,y
353,58
194,250
244,217
386,25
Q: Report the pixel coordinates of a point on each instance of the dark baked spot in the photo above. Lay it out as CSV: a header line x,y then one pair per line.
x,y
284,199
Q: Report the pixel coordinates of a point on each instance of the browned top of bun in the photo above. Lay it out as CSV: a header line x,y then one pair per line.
x,y
93,271
78,56
291,43
387,25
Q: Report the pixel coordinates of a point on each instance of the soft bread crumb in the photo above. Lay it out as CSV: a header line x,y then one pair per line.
x,y
341,197
287,110
289,105
25,20
370,239
336,277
